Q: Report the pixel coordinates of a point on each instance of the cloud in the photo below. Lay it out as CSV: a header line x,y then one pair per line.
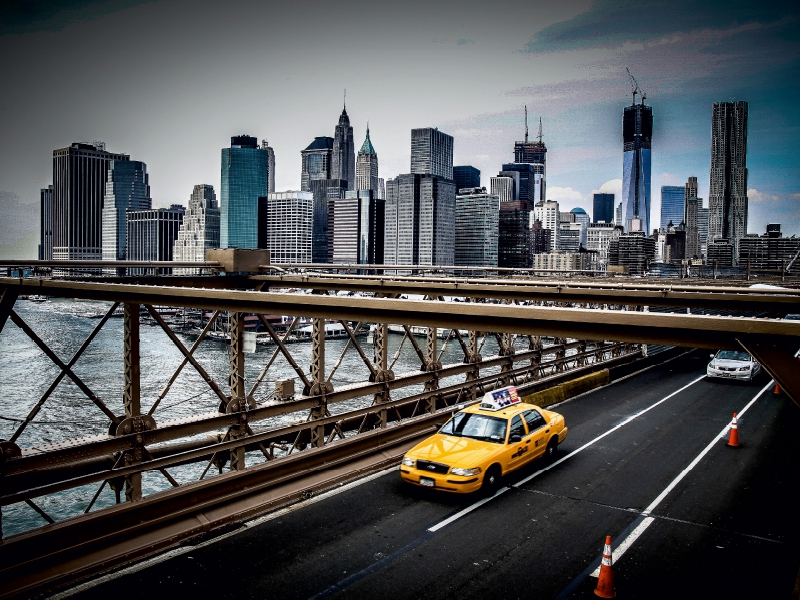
x,y
756,197
564,194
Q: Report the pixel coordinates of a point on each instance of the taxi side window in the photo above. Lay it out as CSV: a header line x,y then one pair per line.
x,y
534,419
516,427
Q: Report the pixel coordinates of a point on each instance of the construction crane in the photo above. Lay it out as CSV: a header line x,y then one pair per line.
x,y
635,87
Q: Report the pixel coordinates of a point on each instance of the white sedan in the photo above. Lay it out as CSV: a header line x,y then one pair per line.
x,y
733,364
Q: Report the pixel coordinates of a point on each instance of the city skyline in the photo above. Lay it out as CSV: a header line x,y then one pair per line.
x,y
568,69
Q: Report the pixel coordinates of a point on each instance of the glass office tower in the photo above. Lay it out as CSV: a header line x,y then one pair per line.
x,y
127,188
245,169
603,208
637,133
432,153
673,209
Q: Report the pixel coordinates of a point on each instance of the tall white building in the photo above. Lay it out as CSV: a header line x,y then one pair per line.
x,y
504,188
547,213
200,228
288,220
477,229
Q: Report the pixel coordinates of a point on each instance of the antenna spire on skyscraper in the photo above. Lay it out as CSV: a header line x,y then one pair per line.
x,y
344,104
526,123
540,130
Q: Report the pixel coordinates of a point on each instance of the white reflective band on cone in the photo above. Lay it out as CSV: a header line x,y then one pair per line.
x,y
607,561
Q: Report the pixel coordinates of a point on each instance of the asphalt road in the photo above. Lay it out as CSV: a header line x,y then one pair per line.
x,y
727,529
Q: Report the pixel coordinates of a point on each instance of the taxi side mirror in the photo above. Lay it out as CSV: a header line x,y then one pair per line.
x,y
515,439
711,356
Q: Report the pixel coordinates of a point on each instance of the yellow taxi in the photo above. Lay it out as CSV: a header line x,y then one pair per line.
x,y
483,442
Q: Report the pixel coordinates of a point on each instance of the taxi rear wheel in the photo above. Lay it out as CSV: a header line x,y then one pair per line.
x,y
491,480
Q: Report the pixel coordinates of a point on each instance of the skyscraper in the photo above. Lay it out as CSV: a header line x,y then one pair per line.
x,y
582,219
285,226
514,246
690,217
343,156
466,177
151,235
127,188
270,165
245,176
532,152
79,180
673,203
432,153
546,212
356,228
316,161
504,187
530,182
46,223
603,208
367,167
637,133
477,229
727,201
200,228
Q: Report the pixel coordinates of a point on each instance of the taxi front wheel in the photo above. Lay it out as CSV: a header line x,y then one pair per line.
x,y
552,449
491,481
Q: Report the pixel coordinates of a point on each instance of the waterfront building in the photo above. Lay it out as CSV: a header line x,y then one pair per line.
x,y
285,222
727,201
356,226
270,166
598,238
79,180
637,134
151,235
46,223
603,208
570,237
540,238
432,153
477,228
466,177
367,167
245,176
514,246
673,205
633,250
504,187
547,213
564,261
720,252
127,188
343,156
770,251
200,228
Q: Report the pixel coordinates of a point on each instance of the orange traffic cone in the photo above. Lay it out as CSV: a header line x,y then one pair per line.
x,y
733,438
777,389
605,582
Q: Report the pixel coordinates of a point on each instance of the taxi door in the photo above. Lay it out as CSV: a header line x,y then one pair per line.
x,y
538,433
516,452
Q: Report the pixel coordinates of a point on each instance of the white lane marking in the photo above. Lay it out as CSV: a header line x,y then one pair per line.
x,y
480,503
187,549
609,432
640,529
467,510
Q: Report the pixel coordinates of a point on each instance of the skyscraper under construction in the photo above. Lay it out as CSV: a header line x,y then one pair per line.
x,y
637,134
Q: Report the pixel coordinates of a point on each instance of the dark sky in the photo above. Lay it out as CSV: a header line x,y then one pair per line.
x,y
169,82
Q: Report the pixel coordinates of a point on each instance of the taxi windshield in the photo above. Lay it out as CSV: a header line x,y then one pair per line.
x,y
476,427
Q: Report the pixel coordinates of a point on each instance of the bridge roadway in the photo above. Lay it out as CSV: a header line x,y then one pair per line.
x,y
728,529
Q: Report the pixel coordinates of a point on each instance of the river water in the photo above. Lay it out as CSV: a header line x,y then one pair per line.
x,y
26,372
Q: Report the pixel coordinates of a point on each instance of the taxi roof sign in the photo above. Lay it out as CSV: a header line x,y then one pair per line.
x,y
500,399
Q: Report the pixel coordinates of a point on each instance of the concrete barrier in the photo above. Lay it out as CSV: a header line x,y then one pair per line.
x,y
568,389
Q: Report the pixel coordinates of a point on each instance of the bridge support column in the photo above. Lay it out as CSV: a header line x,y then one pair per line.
x,y
506,349
473,357
383,374
431,365
778,359
238,399
535,343
319,386
131,395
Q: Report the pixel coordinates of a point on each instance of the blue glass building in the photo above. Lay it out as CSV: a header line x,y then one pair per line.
x,y
245,177
127,188
672,204
637,133
603,208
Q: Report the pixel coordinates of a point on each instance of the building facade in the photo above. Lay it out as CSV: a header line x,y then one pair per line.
x,y
534,153
673,205
514,246
598,239
367,167
356,225
466,177
720,253
127,189
200,228
564,261
432,153
477,229
540,238
770,251
244,179
702,228
727,200
151,235
46,223
504,188
286,222
79,185
633,250
637,134
603,208
547,213
343,154
270,166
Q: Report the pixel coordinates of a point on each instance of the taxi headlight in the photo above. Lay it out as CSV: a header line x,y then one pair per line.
x,y
747,368
465,472
408,462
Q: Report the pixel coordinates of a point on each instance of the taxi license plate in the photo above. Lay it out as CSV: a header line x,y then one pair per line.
x,y
426,481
